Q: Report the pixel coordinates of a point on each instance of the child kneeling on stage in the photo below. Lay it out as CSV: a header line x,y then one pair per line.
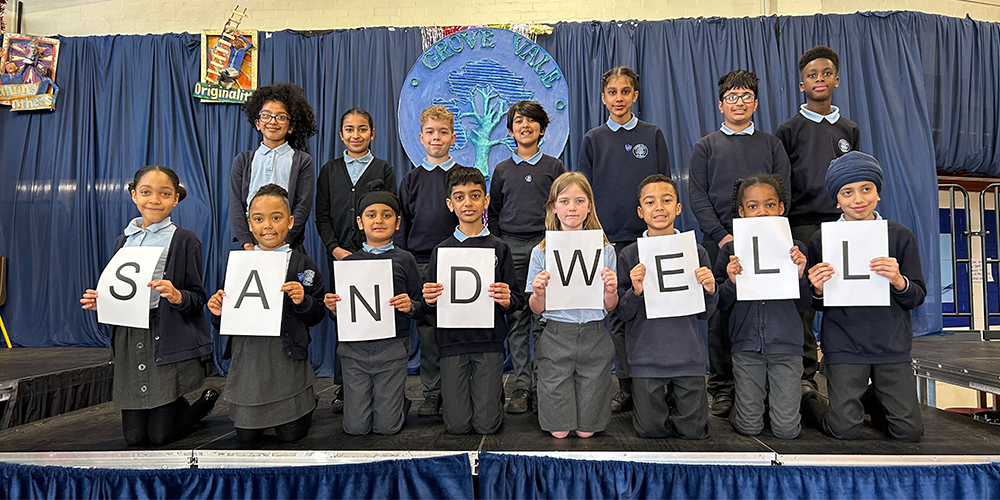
x,y
270,382
668,355
867,342
472,358
375,370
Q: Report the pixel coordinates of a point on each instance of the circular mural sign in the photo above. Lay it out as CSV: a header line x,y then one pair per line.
x,y
478,74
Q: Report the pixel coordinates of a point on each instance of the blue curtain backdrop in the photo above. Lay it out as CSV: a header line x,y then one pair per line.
x,y
524,477
423,478
921,87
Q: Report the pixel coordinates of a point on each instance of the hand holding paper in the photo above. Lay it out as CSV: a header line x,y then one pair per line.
x,y
889,268
89,300
402,303
705,278
500,293
820,274
798,258
215,303
167,291
432,291
330,301
637,274
295,291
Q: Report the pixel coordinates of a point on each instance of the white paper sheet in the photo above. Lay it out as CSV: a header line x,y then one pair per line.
x,y
670,288
762,245
466,274
574,260
122,294
257,277
365,287
853,283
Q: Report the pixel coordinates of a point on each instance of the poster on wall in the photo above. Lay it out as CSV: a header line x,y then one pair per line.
x,y
28,72
228,62
477,74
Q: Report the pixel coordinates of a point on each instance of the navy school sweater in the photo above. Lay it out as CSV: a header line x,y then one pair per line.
x,y
337,202
181,327
615,163
764,326
874,335
455,341
811,147
405,279
717,162
426,220
296,319
662,347
518,193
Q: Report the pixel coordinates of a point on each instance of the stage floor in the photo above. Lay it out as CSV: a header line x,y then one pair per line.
x,y
98,428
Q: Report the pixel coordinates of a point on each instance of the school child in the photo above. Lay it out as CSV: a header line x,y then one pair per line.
x,y
718,160
574,351
518,191
285,120
854,351
765,335
270,382
813,138
341,183
426,222
667,355
375,370
151,376
616,156
472,358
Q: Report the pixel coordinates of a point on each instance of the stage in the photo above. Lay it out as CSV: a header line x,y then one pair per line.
x,y
91,438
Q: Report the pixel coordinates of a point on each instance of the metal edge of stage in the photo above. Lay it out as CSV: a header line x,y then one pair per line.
x,y
214,459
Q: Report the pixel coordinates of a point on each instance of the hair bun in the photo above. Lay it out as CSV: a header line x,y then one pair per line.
x,y
376,185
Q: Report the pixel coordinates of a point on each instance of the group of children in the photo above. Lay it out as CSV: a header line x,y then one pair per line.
x,y
762,354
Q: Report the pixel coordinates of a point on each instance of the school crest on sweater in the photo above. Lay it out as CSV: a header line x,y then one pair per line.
x,y
478,74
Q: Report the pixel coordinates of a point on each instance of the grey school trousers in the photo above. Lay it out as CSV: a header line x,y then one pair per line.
x,y
472,392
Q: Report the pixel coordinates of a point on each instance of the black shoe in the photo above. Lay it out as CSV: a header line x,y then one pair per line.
x,y
722,404
519,402
621,402
431,406
210,396
338,400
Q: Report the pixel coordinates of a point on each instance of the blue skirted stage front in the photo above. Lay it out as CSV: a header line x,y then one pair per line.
x,y
504,476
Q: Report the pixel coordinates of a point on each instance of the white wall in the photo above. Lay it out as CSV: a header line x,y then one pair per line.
x,y
100,17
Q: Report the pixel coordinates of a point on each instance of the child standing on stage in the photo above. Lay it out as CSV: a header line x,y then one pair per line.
x,y
426,222
341,183
375,370
854,350
667,355
813,138
518,191
285,120
151,376
472,358
766,335
735,151
574,352
270,381
615,157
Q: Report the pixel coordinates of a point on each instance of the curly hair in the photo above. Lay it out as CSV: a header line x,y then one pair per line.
x,y
274,191
652,179
181,192
439,113
741,186
819,52
303,125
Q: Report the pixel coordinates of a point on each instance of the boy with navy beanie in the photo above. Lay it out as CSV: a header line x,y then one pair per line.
x,y
854,348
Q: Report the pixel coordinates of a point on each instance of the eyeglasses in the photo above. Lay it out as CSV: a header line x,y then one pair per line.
x,y
734,98
280,119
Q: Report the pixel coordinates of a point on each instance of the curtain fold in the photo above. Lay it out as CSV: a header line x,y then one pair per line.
x,y
526,477
422,478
